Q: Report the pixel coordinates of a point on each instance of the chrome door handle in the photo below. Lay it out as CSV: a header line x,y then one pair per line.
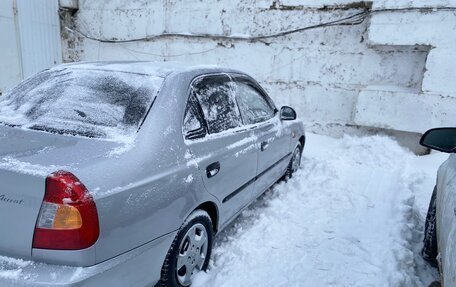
x,y
212,169
264,145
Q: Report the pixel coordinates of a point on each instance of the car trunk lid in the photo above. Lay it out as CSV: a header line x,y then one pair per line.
x,y
20,201
27,157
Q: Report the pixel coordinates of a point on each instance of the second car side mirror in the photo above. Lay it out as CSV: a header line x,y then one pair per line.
x,y
441,139
287,113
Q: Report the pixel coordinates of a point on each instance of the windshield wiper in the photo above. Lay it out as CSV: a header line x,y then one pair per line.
x,y
89,134
9,125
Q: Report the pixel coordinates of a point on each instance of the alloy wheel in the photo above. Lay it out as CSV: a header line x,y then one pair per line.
x,y
192,253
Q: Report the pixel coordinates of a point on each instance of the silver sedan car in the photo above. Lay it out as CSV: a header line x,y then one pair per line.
x,y
121,173
440,232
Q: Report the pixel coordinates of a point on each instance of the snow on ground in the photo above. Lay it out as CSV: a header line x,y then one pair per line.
x,y
352,216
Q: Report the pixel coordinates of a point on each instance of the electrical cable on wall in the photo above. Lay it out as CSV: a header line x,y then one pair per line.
x,y
351,20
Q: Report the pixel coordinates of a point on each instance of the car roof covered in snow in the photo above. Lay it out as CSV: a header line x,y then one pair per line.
x,y
160,69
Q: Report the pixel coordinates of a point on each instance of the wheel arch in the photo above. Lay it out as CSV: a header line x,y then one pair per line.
x,y
302,141
212,209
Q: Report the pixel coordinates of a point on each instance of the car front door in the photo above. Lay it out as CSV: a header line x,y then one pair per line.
x,y
273,139
219,144
447,222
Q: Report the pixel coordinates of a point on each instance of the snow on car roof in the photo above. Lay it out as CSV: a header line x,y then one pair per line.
x,y
160,69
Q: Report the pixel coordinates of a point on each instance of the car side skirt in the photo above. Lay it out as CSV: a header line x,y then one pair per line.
x,y
237,191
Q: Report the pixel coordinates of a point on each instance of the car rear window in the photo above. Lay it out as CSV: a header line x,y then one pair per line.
x,y
91,103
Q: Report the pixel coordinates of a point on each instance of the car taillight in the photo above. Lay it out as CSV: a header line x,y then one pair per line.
x,y
68,218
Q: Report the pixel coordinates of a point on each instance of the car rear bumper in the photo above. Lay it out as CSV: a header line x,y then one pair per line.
x,y
139,267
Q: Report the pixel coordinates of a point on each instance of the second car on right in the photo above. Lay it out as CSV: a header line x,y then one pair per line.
x,y
440,230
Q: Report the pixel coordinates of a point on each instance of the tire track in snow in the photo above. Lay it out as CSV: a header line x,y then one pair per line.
x,y
420,184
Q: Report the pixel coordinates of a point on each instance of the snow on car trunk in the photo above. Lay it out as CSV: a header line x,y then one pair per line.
x,y
346,219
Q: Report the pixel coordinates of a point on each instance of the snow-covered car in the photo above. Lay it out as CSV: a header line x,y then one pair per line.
x,y
121,173
440,230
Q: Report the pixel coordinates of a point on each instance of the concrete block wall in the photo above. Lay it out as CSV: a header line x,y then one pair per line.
x,y
366,75
434,104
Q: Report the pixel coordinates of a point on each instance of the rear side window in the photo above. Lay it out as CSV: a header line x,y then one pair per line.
x,y
193,125
253,105
191,121
216,97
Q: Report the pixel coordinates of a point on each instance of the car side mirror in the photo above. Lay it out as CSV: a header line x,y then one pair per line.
x,y
441,139
287,113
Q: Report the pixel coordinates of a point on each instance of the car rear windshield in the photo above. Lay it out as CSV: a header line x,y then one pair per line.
x,y
90,103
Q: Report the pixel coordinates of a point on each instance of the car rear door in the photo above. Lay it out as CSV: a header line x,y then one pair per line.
x,y
223,149
447,221
273,140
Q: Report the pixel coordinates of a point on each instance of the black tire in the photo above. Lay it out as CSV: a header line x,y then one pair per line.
x,y
169,273
430,245
289,173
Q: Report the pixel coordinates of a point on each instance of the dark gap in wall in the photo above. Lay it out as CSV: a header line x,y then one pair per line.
x,y
354,5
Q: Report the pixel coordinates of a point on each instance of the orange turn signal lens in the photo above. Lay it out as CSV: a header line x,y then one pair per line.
x,y
67,217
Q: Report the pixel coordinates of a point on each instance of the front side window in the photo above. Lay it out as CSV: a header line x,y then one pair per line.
x,y
254,107
84,102
216,97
